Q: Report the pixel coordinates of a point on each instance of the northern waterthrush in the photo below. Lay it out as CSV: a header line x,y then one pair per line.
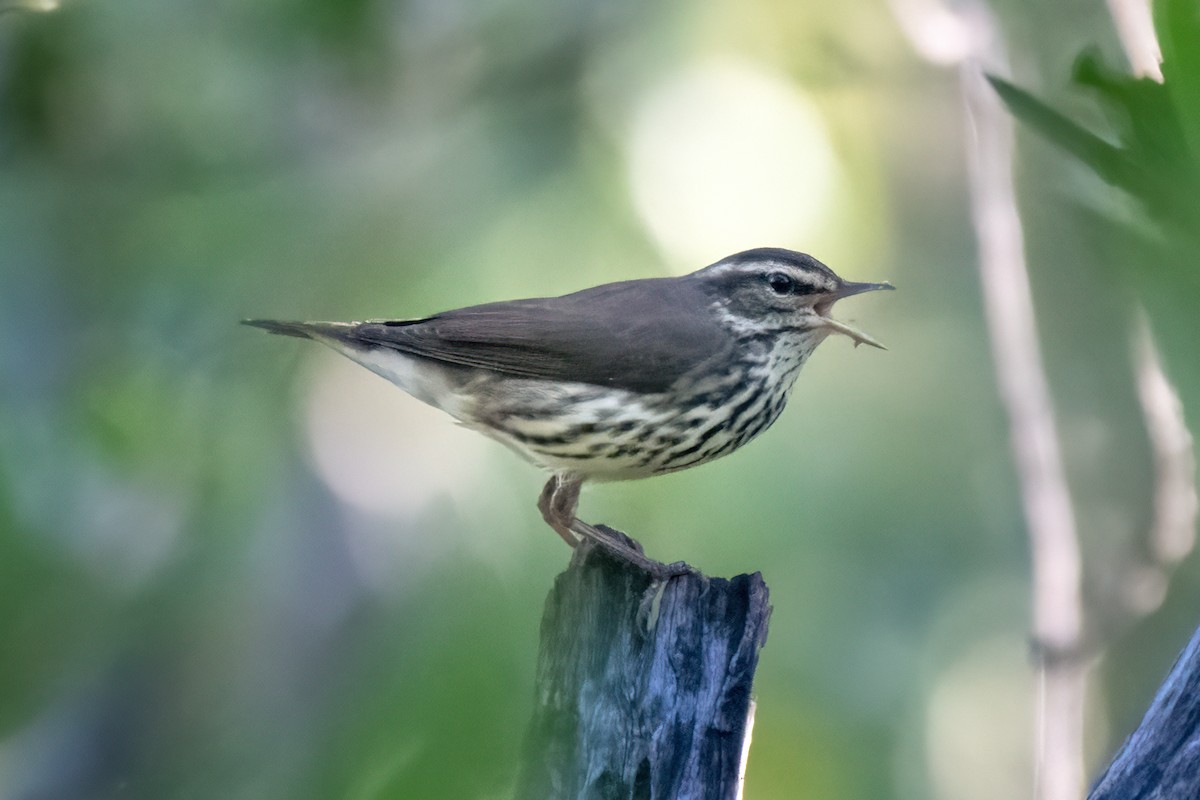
x,y
620,381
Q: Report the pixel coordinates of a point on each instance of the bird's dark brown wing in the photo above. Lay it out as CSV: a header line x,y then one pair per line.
x,y
637,335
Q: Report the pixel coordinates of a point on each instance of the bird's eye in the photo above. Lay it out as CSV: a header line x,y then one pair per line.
x,y
781,283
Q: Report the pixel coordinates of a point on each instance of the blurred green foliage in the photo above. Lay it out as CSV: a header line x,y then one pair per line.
x,y
1150,149
1144,139
190,608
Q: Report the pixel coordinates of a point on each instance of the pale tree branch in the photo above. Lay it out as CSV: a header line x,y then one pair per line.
x,y
965,38
1020,376
1172,532
1024,390
1142,586
1135,28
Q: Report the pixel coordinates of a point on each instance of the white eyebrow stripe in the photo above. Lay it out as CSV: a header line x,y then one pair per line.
x,y
808,277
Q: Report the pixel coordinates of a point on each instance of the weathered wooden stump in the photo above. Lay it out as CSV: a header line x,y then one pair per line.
x,y
643,684
1161,759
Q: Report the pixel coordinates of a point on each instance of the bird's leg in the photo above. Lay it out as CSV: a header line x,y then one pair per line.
x,y
559,501
558,504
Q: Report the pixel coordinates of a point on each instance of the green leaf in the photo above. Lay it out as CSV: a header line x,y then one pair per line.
x,y
1140,108
1107,160
1178,24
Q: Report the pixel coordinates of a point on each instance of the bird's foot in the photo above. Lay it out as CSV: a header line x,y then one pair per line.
x,y
629,550
558,502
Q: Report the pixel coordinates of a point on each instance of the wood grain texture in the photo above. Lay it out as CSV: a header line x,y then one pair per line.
x,y
643,688
1161,759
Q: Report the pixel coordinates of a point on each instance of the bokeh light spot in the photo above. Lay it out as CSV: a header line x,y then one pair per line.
x,y
725,156
381,451
979,724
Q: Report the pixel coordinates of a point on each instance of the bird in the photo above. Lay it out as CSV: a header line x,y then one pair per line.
x,y
620,381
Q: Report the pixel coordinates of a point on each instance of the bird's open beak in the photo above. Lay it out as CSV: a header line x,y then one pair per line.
x,y
847,289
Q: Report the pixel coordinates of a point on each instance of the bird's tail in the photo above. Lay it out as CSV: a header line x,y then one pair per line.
x,y
302,330
426,380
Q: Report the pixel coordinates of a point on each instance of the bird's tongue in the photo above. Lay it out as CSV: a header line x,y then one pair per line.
x,y
858,336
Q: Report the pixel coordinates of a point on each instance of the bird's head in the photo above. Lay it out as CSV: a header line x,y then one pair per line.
x,y
771,290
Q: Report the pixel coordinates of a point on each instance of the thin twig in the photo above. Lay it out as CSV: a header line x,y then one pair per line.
x,y
1049,517
964,39
1172,532
1135,28
1140,584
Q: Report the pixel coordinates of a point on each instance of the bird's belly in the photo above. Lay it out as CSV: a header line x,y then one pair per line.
x,y
604,434
600,434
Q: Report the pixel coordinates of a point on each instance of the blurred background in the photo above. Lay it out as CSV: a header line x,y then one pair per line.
x,y
233,565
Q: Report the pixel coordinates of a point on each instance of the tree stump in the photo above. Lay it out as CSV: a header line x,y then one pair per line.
x,y
643,684
1161,759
